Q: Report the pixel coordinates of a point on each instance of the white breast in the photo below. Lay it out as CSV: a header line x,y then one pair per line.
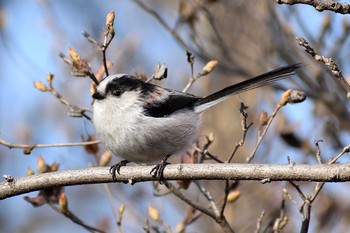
x,y
138,138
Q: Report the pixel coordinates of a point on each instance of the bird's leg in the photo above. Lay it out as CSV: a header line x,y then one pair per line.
x,y
158,170
116,168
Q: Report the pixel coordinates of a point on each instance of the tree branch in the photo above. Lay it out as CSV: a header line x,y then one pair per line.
x,y
337,7
133,174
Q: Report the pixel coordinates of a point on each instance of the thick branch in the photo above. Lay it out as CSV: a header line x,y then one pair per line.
x,y
132,174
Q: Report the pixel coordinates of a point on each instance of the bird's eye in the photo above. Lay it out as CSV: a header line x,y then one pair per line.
x,y
116,92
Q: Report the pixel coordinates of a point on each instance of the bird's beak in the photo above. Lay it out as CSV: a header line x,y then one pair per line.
x,y
98,96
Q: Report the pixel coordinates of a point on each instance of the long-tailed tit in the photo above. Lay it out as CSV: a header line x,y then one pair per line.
x,y
145,123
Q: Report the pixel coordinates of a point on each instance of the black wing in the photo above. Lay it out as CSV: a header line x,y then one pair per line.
x,y
168,103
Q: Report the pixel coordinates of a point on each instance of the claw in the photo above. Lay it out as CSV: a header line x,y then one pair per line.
x,y
116,168
158,170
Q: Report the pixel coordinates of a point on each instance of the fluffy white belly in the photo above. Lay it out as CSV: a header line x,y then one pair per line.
x,y
146,139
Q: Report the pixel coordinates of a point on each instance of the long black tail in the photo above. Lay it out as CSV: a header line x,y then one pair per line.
x,y
258,81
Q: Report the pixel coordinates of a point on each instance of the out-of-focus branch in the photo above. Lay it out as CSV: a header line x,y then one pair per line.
x,y
221,220
328,62
30,147
337,7
133,174
199,53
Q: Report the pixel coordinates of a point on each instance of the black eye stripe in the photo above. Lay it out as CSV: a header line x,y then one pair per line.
x,y
118,86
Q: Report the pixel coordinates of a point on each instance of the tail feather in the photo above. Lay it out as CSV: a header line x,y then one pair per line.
x,y
258,81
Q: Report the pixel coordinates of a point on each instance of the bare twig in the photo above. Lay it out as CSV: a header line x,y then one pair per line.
x,y
305,208
179,194
108,37
244,114
74,111
318,152
30,147
76,220
344,151
261,136
90,39
259,221
337,7
282,219
208,196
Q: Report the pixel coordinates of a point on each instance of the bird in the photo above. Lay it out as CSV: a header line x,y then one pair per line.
x,y
146,123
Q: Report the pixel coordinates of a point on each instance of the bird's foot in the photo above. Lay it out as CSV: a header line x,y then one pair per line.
x,y
157,171
116,168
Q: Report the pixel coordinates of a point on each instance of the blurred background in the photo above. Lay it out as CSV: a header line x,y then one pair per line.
x,y
246,37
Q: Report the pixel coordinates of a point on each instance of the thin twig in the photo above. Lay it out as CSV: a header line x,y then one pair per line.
x,y
260,137
74,111
209,197
318,151
76,220
337,74
244,114
282,219
344,151
259,221
179,194
33,146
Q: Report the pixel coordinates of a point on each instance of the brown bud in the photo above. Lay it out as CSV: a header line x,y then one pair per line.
x,y
211,137
209,67
233,196
49,77
91,149
81,68
30,171
180,227
285,97
63,203
40,86
153,213
73,55
121,210
326,22
41,165
110,18
53,167
105,158
264,118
